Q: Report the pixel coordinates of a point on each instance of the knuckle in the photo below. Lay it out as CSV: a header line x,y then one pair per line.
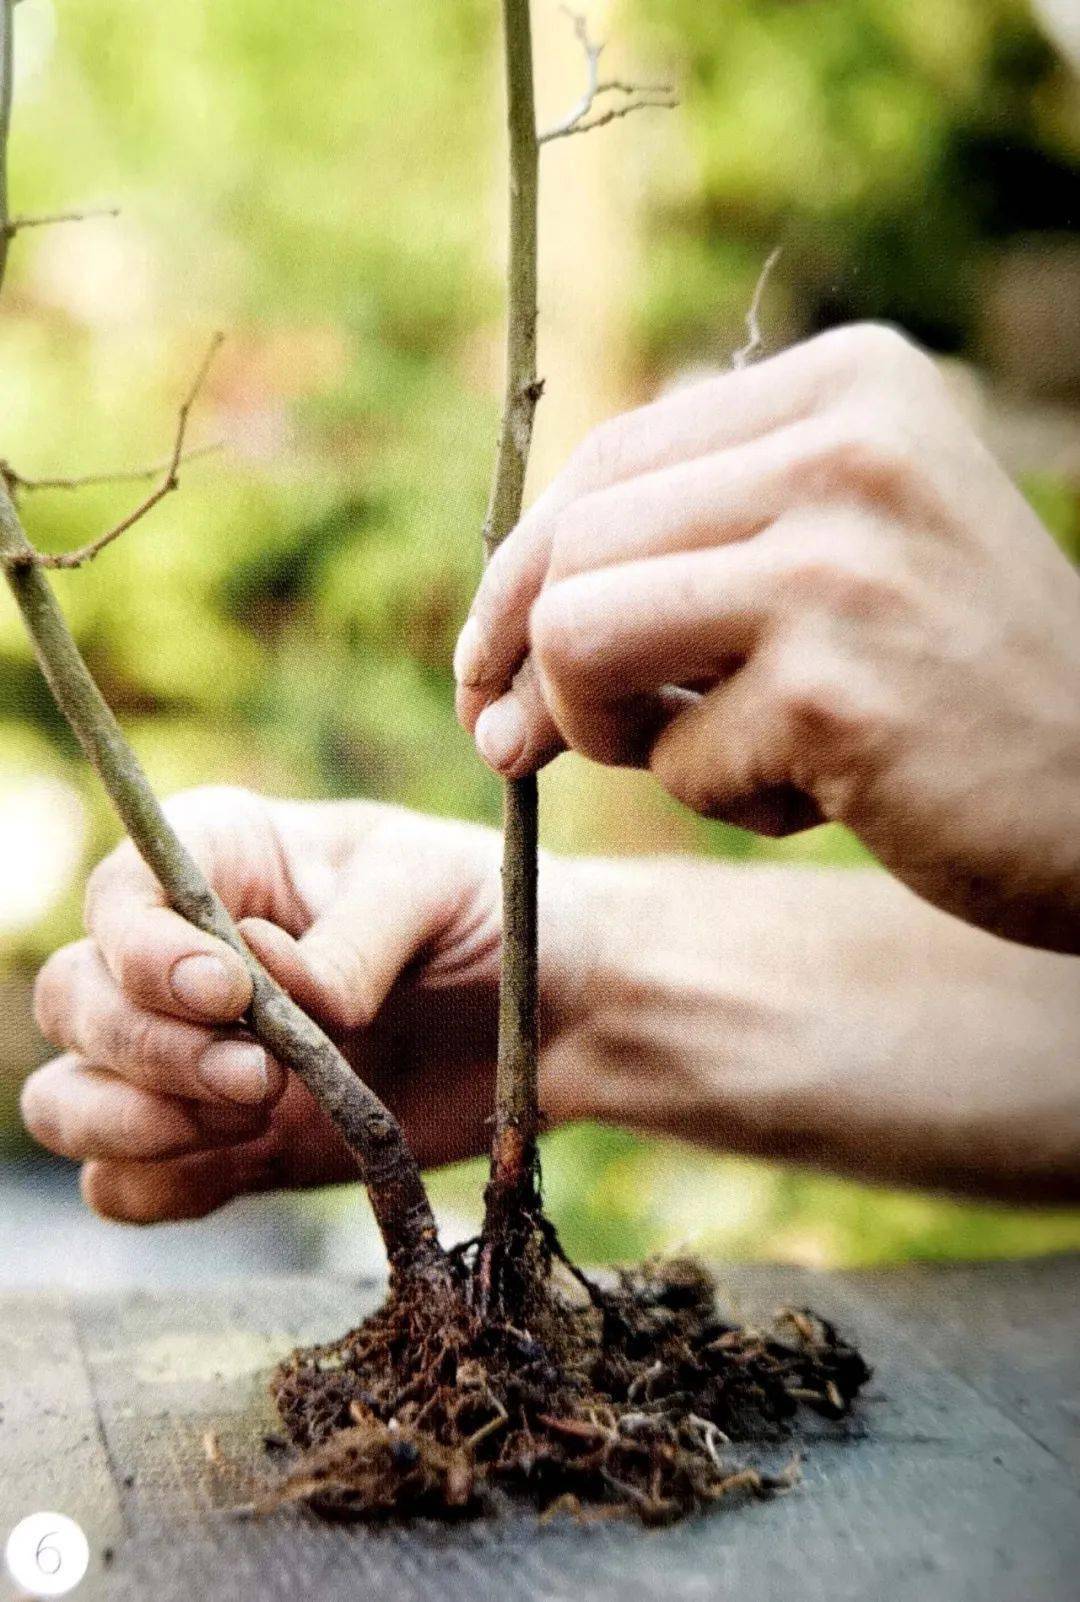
x,y
839,585
877,461
134,1039
131,963
870,349
830,724
207,801
809,702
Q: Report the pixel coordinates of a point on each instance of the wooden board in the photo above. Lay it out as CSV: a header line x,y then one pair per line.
x,y
962,1481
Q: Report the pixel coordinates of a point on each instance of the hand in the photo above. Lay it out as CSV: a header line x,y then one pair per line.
x,y
798,592
384,925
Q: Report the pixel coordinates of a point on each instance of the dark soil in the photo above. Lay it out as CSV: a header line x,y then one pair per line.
x,y
639,1397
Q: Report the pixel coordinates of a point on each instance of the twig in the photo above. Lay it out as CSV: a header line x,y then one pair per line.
x,y
744,356
169,481
577,120
15,225
611,115
397,1193
124,475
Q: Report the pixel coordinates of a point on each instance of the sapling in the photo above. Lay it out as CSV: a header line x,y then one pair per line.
x,y
498,1365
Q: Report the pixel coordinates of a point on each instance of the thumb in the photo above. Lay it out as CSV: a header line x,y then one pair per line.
x,y
732,755
389,907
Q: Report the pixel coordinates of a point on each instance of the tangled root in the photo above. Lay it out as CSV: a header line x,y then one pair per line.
x,y
632,1398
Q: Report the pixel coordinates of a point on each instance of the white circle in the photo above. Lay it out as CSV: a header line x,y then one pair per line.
x,y
47,1554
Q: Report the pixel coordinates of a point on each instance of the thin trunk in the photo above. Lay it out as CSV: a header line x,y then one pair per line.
x,y
386,1165
512,1198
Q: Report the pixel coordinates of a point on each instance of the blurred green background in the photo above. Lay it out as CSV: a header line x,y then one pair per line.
x,y
325,184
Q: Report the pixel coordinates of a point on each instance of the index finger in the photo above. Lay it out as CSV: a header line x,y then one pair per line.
x,y
159,959
717,414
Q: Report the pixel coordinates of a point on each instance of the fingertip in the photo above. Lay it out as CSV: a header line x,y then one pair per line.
x,y
276,949
501,733
36,1109
311,976
237,1071
127,1192
96,1189
214,985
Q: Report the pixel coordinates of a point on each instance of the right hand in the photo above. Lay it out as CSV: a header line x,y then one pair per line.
x,y
802,592
384,925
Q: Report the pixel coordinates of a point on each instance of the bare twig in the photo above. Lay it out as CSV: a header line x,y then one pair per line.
x,y
744,356
16,225
577,119
370,1131
169,481
611,115
125,475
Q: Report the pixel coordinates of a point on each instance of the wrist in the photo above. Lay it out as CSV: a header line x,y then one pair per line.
x,y
689,999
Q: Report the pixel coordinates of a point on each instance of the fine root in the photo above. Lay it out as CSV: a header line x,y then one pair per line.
x,y
637,1398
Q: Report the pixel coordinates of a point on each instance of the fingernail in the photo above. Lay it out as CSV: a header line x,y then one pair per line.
x,y
500,732
235,1069
205,985
468,667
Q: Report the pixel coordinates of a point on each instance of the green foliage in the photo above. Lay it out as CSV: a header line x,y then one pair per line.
x,y
884,143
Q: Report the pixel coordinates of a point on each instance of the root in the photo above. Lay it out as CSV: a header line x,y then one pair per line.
x,y
640,1398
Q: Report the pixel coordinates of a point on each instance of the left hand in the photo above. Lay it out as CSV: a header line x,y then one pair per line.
x,y
798,592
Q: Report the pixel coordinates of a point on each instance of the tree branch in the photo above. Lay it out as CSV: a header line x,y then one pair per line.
x,y
387,1166
169,482
15,225
578,120
18,482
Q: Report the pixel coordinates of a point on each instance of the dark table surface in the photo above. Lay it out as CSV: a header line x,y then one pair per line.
x,y
961,1481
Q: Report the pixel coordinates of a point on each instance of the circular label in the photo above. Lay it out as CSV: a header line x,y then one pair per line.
x,y
47,1554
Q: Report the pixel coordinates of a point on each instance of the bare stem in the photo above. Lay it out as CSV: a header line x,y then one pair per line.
x,y
748,352
122,475
513,1190
170,481
639,96
15,225
387,1166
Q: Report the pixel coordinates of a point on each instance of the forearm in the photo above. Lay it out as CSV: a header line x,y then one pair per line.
x,y
829,1019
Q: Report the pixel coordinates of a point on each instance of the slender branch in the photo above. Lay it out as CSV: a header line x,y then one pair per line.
x,y
744,356
387,1166
578,120
18,482
169,482
611,115
15,225
513,1189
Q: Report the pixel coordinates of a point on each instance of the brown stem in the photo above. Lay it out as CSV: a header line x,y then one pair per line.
x,y
513,1188
387,1166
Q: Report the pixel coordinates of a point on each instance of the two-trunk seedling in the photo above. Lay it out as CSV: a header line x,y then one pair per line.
x,y
498,1365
